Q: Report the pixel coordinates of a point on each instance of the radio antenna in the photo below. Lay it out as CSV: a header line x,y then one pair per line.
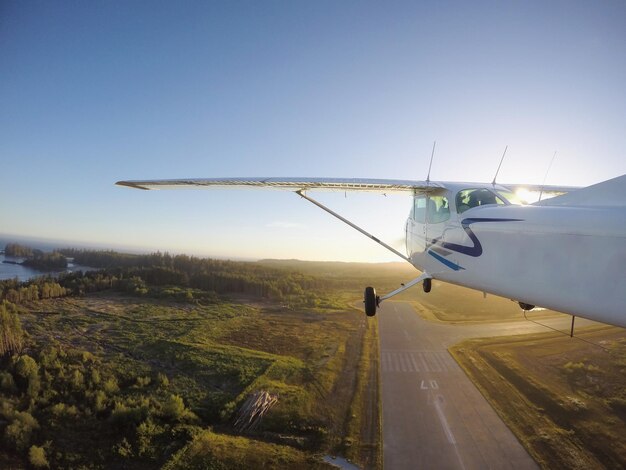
x,y
546,175
431,162
498,170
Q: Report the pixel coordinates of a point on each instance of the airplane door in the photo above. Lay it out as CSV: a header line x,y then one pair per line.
x,y
437,213
416,226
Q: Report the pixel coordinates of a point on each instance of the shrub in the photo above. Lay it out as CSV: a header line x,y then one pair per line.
x,y
127,417
146,432
19,432
99,401
110,386
143,382
77,381
174,408
162,380
37,457
94,377
26,366
6,382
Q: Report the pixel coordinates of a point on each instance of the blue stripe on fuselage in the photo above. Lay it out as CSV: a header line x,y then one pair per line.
x,y
441,259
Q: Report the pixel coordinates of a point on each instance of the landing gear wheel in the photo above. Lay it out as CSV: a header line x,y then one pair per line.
x,y
371,301
525,306
427,285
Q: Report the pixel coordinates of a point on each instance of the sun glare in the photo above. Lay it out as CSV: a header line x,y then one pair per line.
x,y
526,196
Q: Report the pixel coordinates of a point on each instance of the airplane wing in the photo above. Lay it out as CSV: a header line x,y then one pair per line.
x,y
547,189
290,184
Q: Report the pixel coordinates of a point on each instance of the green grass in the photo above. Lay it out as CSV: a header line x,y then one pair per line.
x,y
209,450
212,356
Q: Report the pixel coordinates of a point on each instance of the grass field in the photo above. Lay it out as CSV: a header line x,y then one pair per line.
x,y
446,302
319,362
564,398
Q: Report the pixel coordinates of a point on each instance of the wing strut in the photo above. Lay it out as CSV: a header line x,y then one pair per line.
x,y
417,280
354,226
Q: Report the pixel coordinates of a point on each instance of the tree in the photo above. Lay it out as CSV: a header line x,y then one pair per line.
x,y
14,249
19,432
37,457
27,371
11,334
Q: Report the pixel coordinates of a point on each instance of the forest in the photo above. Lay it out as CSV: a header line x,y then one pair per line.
x,y
149,361
36,259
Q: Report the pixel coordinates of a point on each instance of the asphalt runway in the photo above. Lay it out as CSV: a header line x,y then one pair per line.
x,y
433,415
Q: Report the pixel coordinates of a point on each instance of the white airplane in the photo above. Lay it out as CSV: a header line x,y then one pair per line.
x,y
566,253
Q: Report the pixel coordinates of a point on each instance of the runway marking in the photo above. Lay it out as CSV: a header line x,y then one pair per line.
x,y
401,359
412,357
395,363
434,365
407,360
446,429
430,385
444,421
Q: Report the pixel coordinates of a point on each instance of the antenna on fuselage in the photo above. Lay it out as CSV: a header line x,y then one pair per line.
x,y
546,175
431,163
498,170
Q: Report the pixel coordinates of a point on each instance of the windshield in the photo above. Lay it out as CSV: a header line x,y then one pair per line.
x,y
512,198
475,197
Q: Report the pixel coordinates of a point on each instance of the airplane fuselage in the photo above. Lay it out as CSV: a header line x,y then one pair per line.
x,y
568,259
567,253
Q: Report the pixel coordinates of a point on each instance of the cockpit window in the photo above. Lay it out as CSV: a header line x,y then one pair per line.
x,y
419,209
469,198
438,210
431,209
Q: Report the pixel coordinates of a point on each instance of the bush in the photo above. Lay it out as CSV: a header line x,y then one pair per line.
x,y
162,380
146,432
174,408
110,386
99,401
77,381
26,366
6,382
19,432
37,457
127,417
142,382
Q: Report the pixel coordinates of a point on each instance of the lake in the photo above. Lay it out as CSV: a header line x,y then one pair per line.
x,y
24,273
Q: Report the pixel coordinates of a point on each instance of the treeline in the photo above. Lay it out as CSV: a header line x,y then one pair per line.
x,y
36,259
15,249
43,287
220,276
155,274
41,260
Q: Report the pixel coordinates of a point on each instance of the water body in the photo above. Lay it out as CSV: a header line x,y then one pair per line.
x,y
24,273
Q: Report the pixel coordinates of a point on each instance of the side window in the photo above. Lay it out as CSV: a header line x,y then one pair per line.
x,y
419,209
469,198
438,209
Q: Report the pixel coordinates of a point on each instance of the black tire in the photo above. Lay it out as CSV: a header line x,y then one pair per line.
x,y
427,285
370,301
525,306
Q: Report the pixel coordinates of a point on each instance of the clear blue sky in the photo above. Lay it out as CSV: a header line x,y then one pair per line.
x,y
95,92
